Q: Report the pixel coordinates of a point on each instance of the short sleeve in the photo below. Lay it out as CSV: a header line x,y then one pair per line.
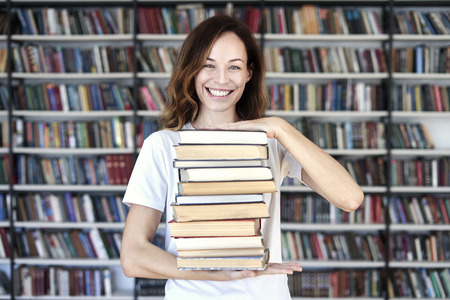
x,y
149,180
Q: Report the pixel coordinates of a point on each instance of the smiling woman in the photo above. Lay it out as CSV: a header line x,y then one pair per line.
x,y
221,82
218,82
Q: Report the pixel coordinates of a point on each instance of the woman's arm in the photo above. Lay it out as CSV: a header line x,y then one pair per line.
x,y
320,171
140,258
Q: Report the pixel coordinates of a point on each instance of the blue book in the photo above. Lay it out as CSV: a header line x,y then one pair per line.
x,y
408,25
339,96
427,23
419,61
2,207
114,209
69,206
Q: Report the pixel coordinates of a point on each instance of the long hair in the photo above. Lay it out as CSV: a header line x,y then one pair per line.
x,y
183,103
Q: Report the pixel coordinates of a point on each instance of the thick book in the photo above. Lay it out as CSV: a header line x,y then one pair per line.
x,y
243,227
226,187
207,136
192,163
205,212
256,251
224,174
224,263
218,199
228,242
221,151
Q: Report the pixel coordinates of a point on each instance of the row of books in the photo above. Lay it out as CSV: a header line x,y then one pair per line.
x,y
325,60
58,59
419,210
58,281
420,172
307,19
73,97
109,169
425,97
107,59
367,171
410,136
219,206
332,96
421,59
419,283
107,133
182,18
344,135
342,284
69,207
434,246
321,19
157,59
422,22
313,209
64,21
336,246
66,244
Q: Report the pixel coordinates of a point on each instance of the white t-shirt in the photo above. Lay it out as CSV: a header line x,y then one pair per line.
x,y
153,183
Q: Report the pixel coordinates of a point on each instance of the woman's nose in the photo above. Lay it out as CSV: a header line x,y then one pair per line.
x,y
221,75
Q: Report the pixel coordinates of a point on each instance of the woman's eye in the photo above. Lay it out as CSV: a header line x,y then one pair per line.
x,y
234,68
208,66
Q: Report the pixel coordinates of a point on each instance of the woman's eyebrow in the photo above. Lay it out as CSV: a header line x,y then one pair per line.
x,y
231,60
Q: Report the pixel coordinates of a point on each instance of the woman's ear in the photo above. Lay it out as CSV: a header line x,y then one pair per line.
x,y
250,73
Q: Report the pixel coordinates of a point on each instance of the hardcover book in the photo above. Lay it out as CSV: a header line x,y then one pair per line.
x,y
224,263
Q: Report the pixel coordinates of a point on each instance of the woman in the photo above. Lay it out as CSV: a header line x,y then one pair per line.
x,y
218,82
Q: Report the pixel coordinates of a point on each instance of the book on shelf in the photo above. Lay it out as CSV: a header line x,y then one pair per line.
x,y
216,227
204,212
224,174
224,263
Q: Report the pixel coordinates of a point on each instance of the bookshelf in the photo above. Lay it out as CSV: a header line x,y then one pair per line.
x,y
301,84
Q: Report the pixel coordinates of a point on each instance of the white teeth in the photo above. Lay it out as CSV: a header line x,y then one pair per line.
x,y
219,93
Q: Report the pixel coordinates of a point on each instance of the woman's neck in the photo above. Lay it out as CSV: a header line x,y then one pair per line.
x,y
209,121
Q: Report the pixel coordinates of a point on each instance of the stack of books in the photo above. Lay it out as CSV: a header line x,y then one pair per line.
x,y
219,206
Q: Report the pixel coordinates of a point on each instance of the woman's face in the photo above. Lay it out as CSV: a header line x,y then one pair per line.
x,y
221,81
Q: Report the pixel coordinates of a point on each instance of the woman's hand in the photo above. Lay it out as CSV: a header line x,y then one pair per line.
x,y
271,269
271,125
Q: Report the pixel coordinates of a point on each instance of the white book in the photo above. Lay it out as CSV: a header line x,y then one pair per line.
x,y
107,283
98,244
225,174
205,136
216,199
88,208
55,207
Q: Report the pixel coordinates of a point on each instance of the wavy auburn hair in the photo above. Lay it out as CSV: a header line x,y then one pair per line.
x,y
183,102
